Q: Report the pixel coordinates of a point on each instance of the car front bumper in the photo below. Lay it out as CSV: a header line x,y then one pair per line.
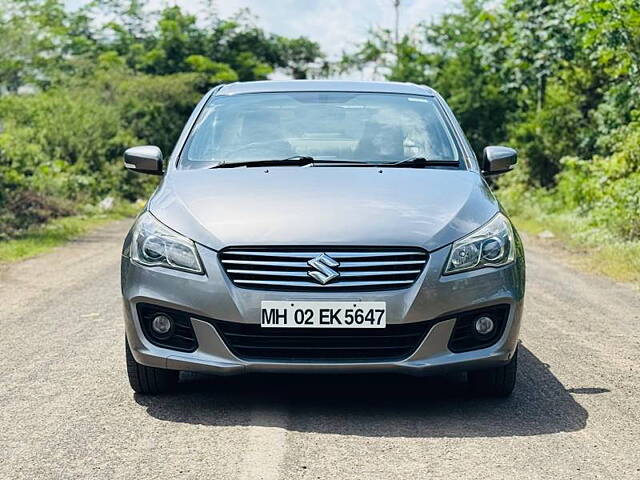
x,y
213,296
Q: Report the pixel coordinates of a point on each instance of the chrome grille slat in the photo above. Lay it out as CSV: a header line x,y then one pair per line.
x,y
380,264
273,273
329,285
342,264
303,268
290,273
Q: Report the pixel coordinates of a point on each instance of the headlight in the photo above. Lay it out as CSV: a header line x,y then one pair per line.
x,y
153,245
492,245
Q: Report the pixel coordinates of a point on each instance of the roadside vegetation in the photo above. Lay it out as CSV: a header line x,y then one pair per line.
x,y
75,92
557,79
43,237
560,81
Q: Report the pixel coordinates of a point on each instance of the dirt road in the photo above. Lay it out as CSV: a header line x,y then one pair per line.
x,y
66,410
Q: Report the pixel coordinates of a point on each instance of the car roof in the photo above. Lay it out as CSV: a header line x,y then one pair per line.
x,y
272,86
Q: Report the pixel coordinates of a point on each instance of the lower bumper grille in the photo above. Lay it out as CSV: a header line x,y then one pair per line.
x,y
252,342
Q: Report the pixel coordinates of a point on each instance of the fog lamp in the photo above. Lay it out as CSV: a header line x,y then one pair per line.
x,y
161,324
484,325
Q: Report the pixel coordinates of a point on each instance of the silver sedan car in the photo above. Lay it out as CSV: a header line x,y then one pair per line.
x,y
322,227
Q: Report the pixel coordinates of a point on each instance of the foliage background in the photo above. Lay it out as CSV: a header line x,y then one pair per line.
x,y
557,79
75,92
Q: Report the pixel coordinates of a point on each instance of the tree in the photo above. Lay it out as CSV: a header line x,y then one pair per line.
x,y
43,43
458,57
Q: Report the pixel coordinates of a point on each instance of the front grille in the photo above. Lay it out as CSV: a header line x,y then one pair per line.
x,y
289,269
252,342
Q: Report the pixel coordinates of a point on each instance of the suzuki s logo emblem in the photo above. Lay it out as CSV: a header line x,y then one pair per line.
x,y
323,272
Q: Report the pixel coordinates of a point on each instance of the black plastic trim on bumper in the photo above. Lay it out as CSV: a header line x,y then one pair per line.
x,y
464,337
181,338
252,342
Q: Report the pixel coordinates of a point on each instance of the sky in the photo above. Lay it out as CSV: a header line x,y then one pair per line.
x,y
335,24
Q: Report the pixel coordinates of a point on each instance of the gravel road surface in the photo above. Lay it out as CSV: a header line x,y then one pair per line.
x,y
66,410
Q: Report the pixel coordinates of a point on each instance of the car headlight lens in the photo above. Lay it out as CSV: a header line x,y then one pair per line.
x,y
153,245
492,245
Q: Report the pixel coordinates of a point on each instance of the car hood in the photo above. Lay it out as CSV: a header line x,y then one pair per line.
x,y
364,206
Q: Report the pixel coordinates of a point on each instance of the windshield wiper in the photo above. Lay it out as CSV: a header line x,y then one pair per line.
x,y
420,162
303,160
297,160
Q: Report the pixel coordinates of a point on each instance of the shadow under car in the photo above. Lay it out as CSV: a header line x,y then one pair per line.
x,y
376,405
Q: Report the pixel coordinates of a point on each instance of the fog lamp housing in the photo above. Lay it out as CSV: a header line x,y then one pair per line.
x,y
167,327
478,328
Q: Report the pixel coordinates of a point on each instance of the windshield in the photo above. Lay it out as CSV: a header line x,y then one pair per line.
x,y
360,127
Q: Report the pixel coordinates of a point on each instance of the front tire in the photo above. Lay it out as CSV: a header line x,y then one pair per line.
x,y
149,380
495,382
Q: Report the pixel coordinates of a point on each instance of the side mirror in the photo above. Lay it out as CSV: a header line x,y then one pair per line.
x,y
497,160
144,159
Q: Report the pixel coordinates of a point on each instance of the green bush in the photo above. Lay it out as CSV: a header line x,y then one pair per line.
x,y
64,146
25,208
604,191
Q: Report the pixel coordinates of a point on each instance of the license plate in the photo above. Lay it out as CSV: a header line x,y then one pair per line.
x,y
323,314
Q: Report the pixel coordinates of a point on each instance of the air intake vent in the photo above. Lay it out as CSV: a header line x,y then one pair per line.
x,y
251,342
317,268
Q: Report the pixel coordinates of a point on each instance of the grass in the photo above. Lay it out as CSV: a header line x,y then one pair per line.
x,y
45,237
590,248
